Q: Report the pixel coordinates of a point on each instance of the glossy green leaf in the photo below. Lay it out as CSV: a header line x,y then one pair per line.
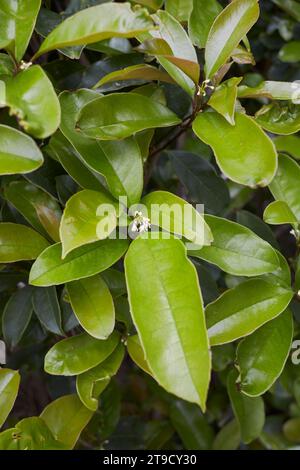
x,y
272,90
137,354
201,180
119,162
175,215
285,186
283,119
92,383
227,31
261,356
249,412
93,305
171,31
31,97
40,209
50,269
9,387
17,24
278,212
18,242
290,52
257,225
18,152
161,280
223,99
254,159
203,15
128,113
96,24
136,72
288,144
237,250
77,354
47,309
241,310
191,425
66,417
180,9
16,315
88,216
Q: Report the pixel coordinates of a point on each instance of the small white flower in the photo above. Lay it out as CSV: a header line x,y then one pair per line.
x,y
140,223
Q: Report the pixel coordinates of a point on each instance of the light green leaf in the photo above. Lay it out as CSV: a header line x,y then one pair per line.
x,y
96,24
137,354
93,305
272,90
288,144
237,250
136,72
180,9
18,152
285,186
31,97
175,215
66,417
223,100
18,243
243,151
261,356
9,387
278,212
37,206
161,281
203,15
290,52
17,18
128,113
279,118
249,412
227,31
120,162
16,315
50,269
92,383
88,216
77,354
241,310
47,309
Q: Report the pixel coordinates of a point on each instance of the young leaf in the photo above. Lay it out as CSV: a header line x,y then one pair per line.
x,y
237,250
180,9
279,118
249,412
175,215
128,114
16,315
77,354
203,15
137,354
285,186
223,99
272,90
119,162
278,212
17,20
92,383
93,305
50,269
261,356
135,72
31,97
37,206
47,309
96,24
9,387
84,223
241,310
243,151
289,144
161,280
66,417
18,243
18,152
227,31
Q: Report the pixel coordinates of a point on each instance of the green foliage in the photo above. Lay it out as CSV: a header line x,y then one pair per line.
x,y
147,320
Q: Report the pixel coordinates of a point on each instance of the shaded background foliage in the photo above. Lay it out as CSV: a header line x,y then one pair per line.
x,y
134,412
